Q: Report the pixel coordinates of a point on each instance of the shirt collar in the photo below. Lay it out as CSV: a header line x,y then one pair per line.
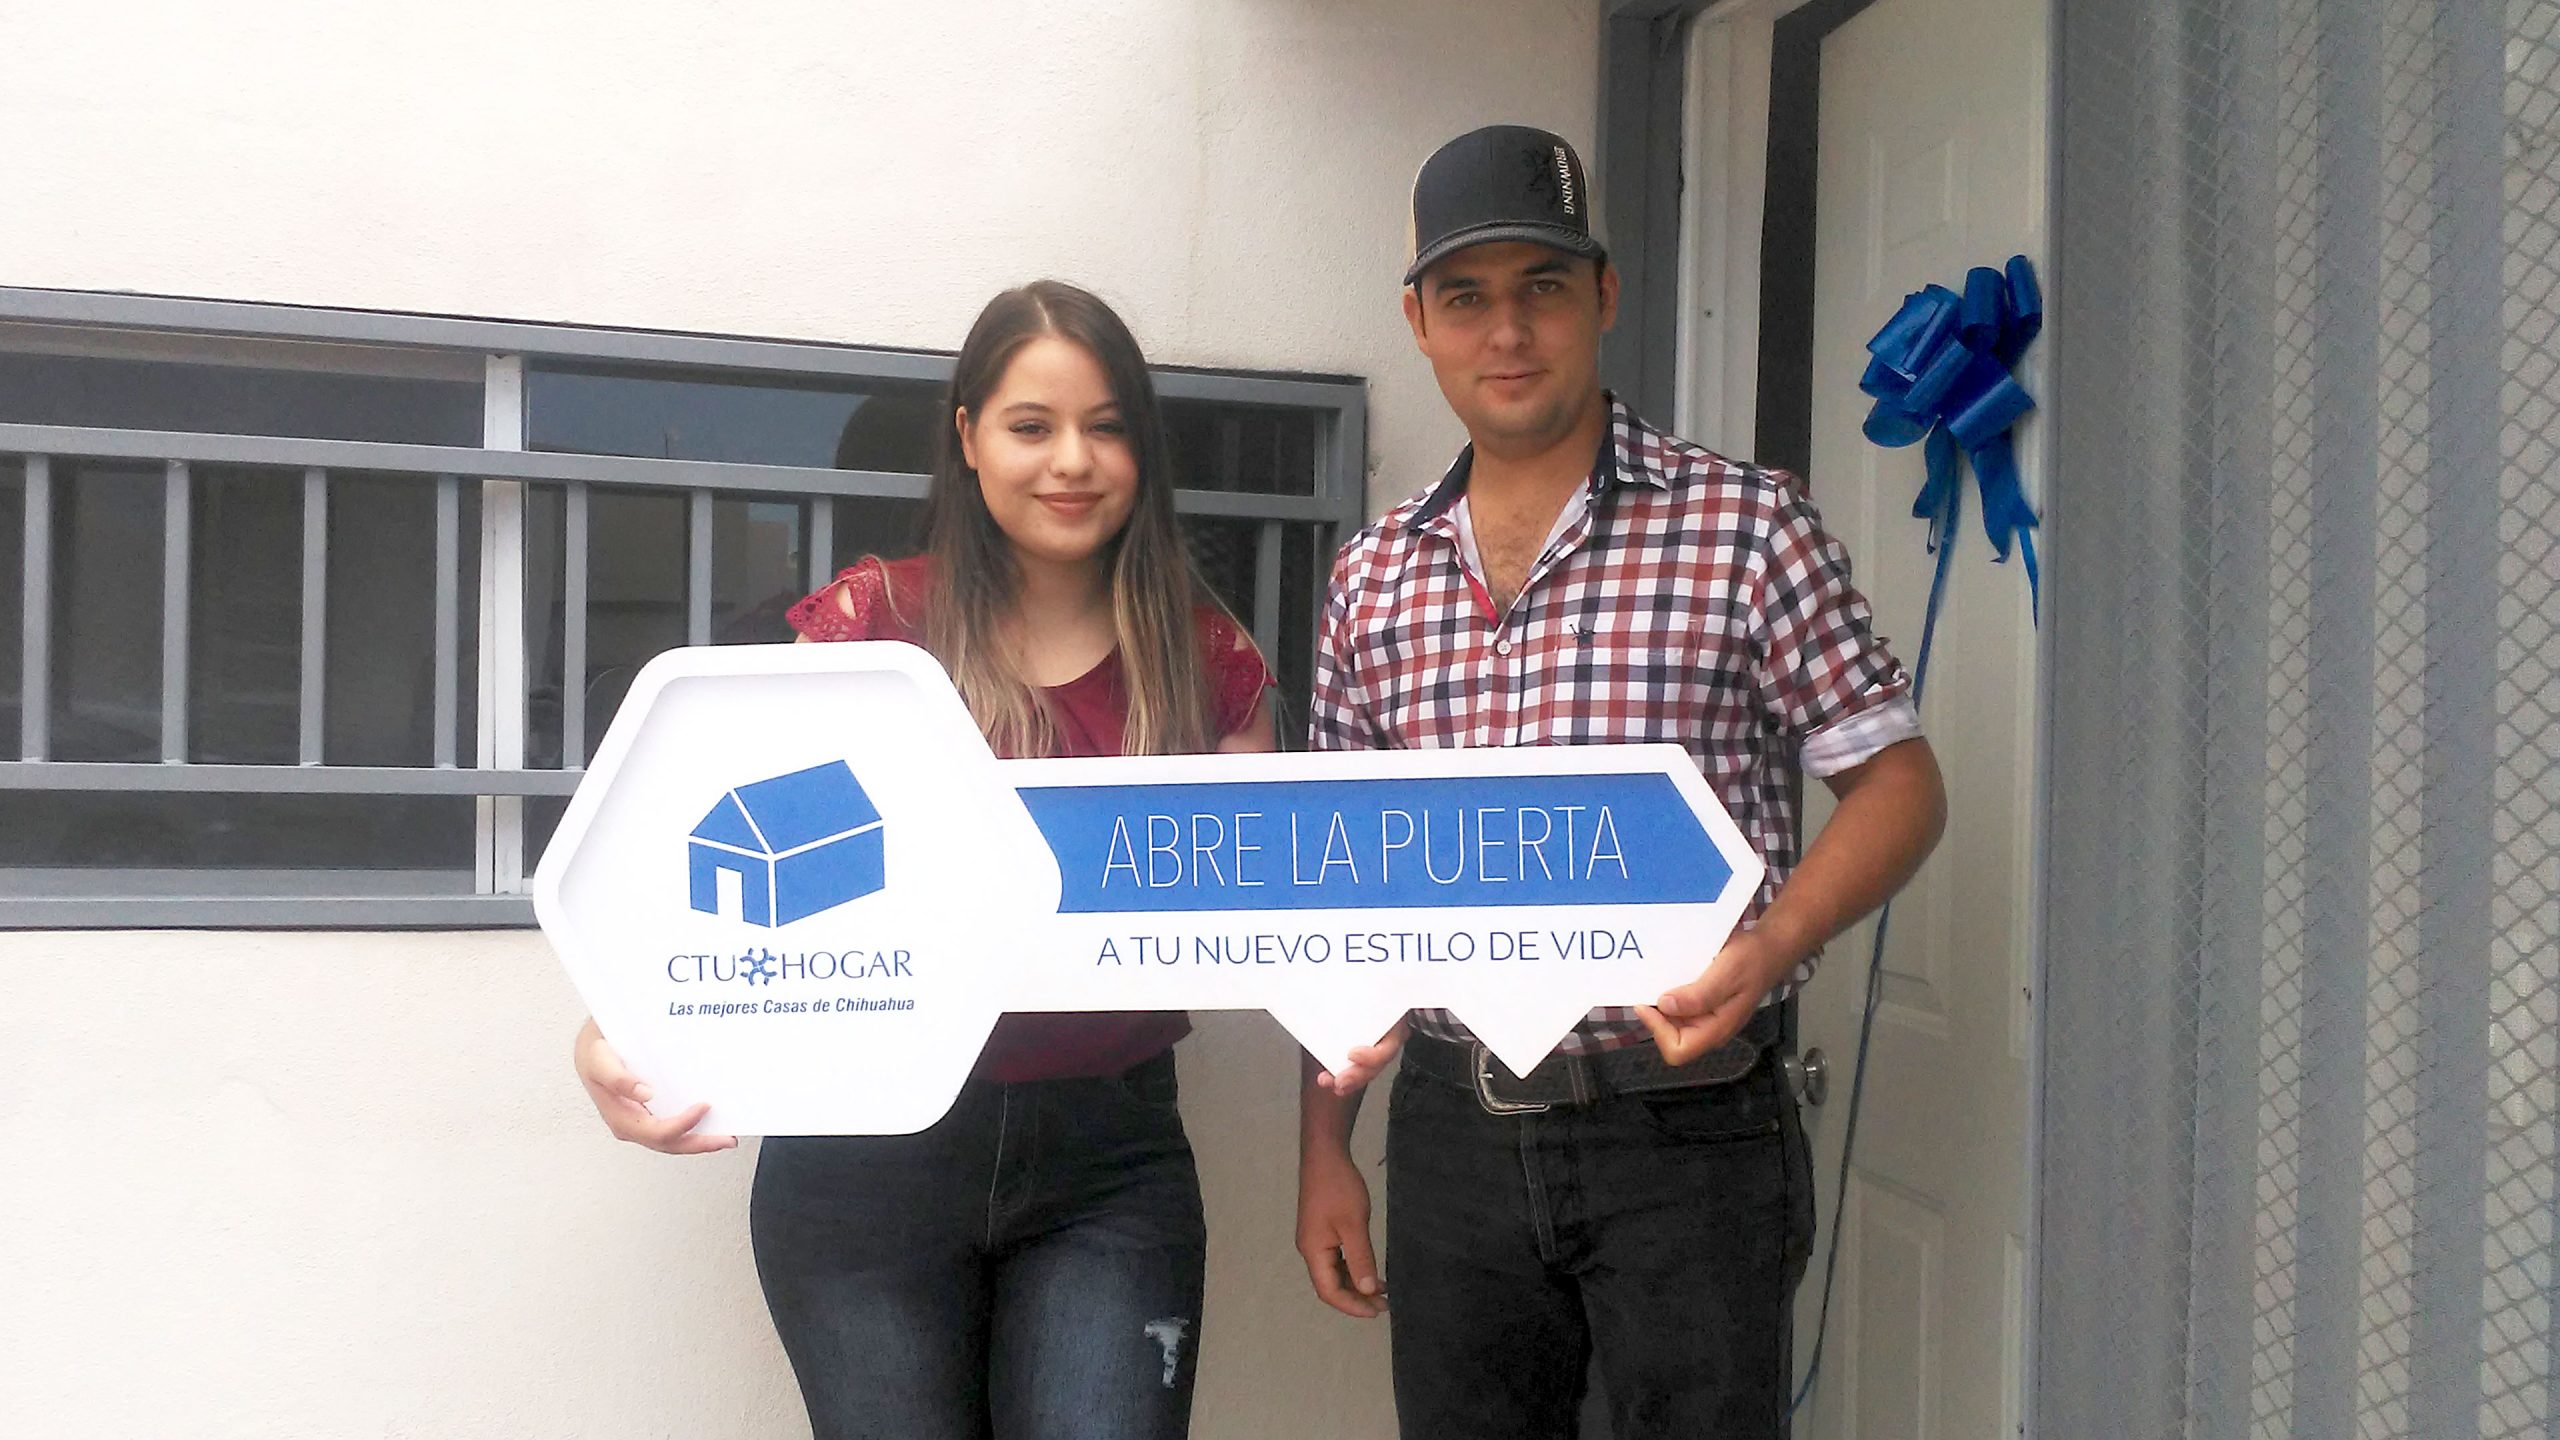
x,y
1619,461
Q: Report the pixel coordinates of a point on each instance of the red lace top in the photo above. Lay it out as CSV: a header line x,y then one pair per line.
x,y
888,600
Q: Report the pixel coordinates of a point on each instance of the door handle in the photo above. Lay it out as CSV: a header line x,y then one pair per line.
x,y
1808,1076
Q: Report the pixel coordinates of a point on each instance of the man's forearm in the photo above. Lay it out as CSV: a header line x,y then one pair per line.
x,y
1892,810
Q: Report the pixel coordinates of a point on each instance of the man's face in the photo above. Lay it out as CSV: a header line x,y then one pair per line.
x,y
1512,330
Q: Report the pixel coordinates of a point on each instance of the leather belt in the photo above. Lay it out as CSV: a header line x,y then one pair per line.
x,y
1563,1079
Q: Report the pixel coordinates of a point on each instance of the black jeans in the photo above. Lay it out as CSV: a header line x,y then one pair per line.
x,y
1664,1232
1027,1269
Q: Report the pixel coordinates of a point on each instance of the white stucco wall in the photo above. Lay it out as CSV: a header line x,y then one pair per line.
x,y
343,1184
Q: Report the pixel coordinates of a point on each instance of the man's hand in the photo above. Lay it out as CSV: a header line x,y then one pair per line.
x,y
1692,1019
1892,807
1333,1233
1366,1062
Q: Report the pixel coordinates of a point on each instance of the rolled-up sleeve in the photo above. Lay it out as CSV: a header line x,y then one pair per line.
x,y
1825,680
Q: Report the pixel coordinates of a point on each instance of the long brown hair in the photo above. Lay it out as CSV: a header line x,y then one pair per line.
x,y
1153,590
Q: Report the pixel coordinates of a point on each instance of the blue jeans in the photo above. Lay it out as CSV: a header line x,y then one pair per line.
x,y
1662,1232
1027,1269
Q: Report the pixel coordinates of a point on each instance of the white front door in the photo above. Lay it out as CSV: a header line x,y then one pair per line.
x,y
1932,160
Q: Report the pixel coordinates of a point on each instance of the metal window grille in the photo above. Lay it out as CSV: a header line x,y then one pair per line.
x,y
1264,512
2298,1133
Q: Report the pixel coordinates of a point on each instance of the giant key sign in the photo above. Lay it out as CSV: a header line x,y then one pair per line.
x,y
796,884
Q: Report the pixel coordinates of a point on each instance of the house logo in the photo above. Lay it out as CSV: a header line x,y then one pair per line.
x,y
786,848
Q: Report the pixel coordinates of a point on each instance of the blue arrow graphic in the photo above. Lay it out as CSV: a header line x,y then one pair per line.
x,y
1610,839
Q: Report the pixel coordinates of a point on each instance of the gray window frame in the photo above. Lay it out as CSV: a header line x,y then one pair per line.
x,y
500,469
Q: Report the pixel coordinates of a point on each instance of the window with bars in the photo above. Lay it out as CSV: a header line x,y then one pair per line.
x,y
319,613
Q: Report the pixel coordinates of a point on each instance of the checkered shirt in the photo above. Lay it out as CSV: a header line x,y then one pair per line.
x,y
1685,598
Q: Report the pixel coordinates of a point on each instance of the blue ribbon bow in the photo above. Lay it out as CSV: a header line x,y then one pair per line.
x,y
1941,375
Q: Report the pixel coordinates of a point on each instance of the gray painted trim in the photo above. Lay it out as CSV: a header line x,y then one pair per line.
x,y
294,454
1255,507
176,515
282,912
1326,393
1230,466
35,625
448,615
573,627
239,882
626,471
1346,475
697,569
1342,397
91,777
365,327
315,611
2042,799
1643,97
1266,588
821,541
572,342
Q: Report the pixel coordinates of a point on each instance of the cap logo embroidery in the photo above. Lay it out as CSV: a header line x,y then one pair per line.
x,y
1536,178
1564,178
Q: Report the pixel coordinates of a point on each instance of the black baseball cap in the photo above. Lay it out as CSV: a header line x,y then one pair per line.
x,y
1503,182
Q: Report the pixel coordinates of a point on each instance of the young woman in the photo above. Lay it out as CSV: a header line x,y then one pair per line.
x,y
1031,1265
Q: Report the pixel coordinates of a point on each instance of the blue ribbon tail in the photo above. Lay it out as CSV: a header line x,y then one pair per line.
x,y
1942,494
1937,595
2035,582
2006,515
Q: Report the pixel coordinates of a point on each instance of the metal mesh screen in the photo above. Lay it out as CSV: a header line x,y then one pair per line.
x,y
2299,1132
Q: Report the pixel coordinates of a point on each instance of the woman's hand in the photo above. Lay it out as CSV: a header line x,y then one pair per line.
x,y
1333,1233
623,1100
1365,1063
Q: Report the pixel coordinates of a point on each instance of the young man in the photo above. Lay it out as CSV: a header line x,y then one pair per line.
x,y
1581,577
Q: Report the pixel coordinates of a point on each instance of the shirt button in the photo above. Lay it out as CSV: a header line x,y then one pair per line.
x,y
1501,647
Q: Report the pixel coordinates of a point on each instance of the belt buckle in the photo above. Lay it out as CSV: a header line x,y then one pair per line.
x,y
1483,1070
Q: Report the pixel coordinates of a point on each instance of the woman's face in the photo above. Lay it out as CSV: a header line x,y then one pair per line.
x,y
1052,453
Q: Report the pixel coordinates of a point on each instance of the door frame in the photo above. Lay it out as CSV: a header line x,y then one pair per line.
x,y
1731,53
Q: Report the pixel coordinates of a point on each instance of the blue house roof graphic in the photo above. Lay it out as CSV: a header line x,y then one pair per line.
x,y
792,845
